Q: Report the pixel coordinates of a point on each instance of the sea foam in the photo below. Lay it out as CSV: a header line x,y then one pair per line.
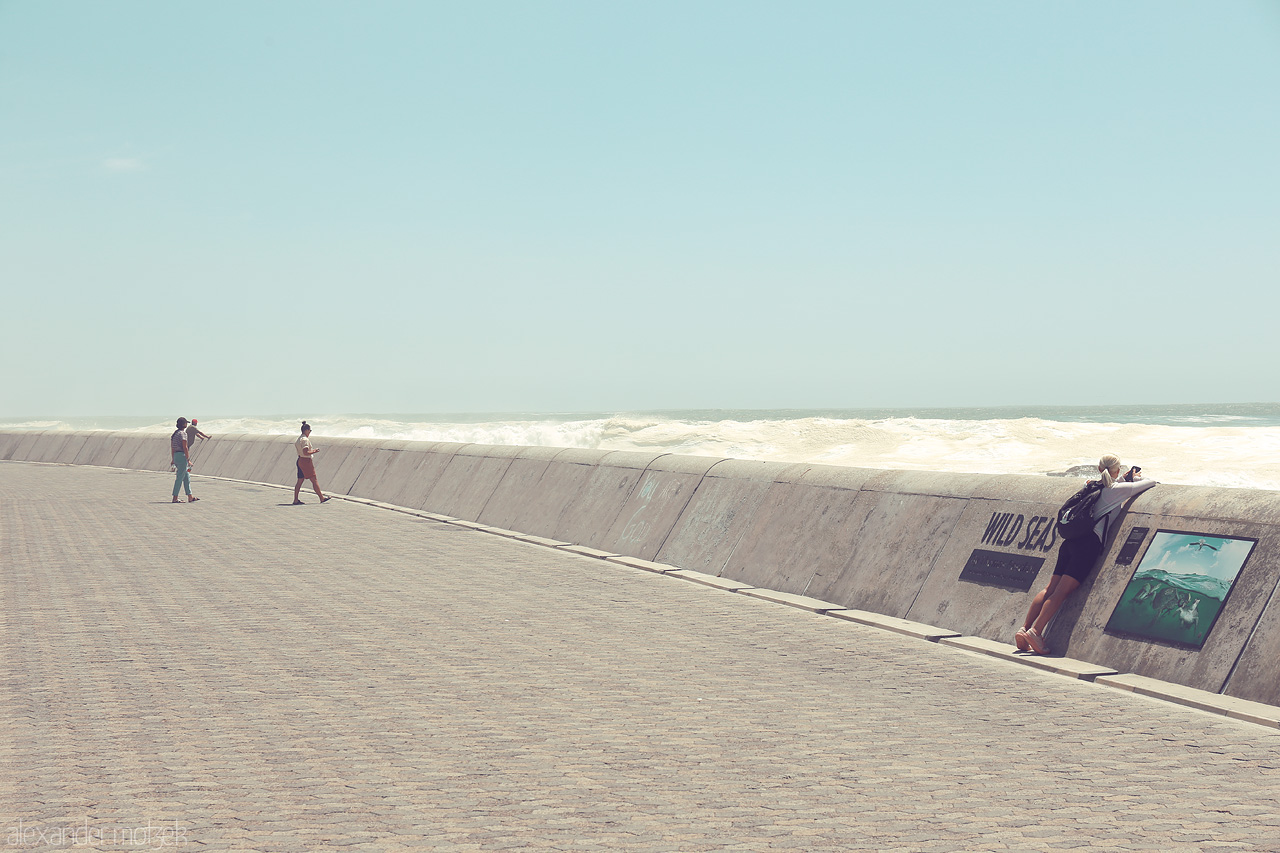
x,y
1205,451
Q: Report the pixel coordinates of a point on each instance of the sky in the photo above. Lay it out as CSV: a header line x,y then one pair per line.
x,y
244,208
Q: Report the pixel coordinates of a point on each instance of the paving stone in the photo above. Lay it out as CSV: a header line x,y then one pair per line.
x,y
352,678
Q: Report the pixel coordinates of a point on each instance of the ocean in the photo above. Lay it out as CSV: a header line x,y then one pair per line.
x,y
1225,445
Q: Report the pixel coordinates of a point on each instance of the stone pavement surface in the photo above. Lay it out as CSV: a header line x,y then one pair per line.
x,y
240,674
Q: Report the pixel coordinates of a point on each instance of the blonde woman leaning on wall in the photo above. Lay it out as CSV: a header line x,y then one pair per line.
x,y
1078,557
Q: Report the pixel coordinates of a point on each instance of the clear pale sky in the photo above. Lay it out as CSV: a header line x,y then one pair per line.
x,y
243,208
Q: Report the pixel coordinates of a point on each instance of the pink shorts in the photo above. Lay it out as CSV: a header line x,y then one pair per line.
x,y
306,469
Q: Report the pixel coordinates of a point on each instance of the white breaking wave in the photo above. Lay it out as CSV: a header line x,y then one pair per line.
x,y
1198,454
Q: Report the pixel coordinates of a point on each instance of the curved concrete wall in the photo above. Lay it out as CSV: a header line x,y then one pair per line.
x,y
891,542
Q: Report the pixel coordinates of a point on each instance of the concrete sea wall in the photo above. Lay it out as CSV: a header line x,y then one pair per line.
x,y
962,552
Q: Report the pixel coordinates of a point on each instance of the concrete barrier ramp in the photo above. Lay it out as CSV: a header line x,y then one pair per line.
x,y
801,529
343,460
470,478
595,504
9,442
385,464
70,449
93,446
212,453
50,446
655,505
143,452
269,459
897,532
418,472
720,511
25,445
521,492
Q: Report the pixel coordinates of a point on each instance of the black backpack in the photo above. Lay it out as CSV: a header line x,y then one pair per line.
x,y
1075,519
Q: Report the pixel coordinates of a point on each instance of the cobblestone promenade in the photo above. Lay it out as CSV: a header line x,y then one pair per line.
x,y
240,674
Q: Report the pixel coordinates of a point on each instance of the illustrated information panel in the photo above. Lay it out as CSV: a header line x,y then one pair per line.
x,y
1180,587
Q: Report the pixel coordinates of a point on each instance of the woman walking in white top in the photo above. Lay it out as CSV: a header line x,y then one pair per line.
x,y
306,468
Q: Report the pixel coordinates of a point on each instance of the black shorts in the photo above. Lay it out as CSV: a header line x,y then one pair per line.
x,y
1077,557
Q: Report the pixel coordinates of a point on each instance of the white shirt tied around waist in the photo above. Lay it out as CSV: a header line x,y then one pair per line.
x,y
1111,501
303,444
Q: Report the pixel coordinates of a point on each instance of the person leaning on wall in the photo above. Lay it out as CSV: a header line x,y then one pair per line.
x,y
1078,557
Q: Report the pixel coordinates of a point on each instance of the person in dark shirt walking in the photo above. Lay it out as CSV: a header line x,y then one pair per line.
x,y
193,433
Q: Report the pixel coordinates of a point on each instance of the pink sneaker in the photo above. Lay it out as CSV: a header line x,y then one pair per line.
x,y
1037,643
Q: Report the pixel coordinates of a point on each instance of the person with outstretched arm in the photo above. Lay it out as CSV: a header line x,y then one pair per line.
x,y
1078,557
193,433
